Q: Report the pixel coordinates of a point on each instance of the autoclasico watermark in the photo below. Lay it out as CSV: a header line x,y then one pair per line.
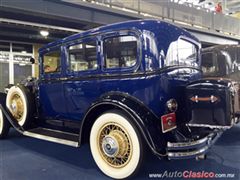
x,y
191,174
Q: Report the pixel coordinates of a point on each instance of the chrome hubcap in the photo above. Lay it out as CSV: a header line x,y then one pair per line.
x,y
14,107
110,146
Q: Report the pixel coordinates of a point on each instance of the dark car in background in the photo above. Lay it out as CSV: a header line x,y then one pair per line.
x,y
221,61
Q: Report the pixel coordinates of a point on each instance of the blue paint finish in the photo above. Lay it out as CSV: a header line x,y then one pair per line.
x,y
79,96
52,95
149,80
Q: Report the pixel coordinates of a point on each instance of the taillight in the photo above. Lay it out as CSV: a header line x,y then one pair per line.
x,y
172,105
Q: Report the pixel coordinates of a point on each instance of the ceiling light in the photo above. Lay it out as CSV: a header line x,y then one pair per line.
x,y
44,33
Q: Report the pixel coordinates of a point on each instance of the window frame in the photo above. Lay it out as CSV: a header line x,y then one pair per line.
x,y
116,35
198,54
67,55
56,73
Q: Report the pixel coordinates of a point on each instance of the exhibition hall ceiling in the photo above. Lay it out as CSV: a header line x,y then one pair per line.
x,y
228,6
24,21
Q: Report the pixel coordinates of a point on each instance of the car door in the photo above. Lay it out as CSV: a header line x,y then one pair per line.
x,y
51,94
120,60
81,87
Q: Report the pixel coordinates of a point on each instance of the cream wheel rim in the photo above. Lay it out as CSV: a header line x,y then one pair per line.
x,y
114,145
17,107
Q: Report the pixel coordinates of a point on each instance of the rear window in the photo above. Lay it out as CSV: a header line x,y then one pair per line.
x,y
182,52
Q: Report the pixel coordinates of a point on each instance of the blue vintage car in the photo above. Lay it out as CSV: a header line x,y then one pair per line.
x,y
124,89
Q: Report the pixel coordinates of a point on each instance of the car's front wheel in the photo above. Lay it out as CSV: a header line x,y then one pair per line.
x,y
116,145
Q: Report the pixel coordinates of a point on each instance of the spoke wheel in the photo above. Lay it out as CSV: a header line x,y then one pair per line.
x,y
17,107
116,145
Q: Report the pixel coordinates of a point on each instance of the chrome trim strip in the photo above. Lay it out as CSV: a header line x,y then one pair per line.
x,y
179,155
58,131
196,99
170,129
193,151
187,144
209,126
51,139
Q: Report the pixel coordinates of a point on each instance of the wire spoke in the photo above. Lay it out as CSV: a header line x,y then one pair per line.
x,y
125,147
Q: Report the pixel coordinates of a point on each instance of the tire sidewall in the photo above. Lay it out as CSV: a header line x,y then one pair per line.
x,y
4,126
17,90
134,136
2,123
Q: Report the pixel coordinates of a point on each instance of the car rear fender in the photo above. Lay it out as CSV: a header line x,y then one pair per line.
x,y
145,120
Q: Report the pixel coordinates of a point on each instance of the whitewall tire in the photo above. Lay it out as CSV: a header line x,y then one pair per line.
x,y
116,145
4,126
1,121
18,102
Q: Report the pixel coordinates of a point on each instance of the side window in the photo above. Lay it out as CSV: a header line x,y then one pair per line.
x,y
181,52
83,56
52,62
120,52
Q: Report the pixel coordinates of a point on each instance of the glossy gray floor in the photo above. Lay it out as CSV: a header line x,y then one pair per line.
x,y
23,158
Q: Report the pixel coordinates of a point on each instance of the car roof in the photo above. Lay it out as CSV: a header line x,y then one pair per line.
x,y
164,30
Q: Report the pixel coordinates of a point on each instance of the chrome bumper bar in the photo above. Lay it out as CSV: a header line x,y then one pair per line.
x,y
191,149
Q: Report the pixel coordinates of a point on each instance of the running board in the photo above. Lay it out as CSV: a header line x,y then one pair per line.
x,y
43,133
54,136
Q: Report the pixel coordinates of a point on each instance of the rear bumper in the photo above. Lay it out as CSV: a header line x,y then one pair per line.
x,y
192,149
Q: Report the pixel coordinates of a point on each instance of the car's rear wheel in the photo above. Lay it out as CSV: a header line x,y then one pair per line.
x,y
4,126
19,103
116,145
